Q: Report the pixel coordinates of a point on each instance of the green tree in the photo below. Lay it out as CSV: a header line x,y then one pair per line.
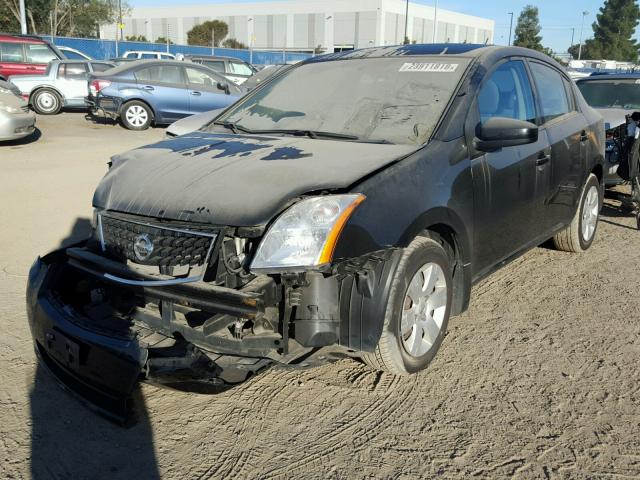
x,y
613,33
163,40
201,34
528,29
136,38
233,43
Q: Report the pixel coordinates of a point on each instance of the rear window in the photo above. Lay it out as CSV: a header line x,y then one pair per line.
x,y
240,69
611,93
101,67
39,53
160,73
11,52
218,66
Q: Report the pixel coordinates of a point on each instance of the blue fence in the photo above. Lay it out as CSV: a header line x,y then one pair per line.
x,y
103,49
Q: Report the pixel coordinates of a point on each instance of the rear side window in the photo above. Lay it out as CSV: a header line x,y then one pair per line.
x,y
72,71
508,93
39,53
551,87
160,74
101,67
240,69
148,56
11,52
218,66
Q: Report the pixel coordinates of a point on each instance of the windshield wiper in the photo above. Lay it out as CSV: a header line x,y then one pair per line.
x,y
234,127
310,134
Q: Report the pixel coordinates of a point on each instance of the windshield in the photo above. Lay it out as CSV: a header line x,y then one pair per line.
x,y
611,94
394,100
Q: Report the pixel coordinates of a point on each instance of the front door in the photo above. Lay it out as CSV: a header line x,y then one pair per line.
x,y
204,94
509,183
164,88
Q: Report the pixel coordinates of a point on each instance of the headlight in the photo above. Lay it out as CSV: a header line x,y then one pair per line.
x,y
306,234
9,109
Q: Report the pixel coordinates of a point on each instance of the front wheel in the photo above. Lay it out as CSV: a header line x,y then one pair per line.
x,y
136,115
580,233
417,311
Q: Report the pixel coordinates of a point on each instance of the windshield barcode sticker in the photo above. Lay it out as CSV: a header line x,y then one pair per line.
x,y
429,67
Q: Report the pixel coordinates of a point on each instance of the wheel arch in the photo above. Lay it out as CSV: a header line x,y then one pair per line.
x,y
39,88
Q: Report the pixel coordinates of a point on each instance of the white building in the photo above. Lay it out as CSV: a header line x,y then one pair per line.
x,y
306,24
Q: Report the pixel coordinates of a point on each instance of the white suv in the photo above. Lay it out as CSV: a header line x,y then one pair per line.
x,y
148,55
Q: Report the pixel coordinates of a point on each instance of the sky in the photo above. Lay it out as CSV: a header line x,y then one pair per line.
x,y
557,17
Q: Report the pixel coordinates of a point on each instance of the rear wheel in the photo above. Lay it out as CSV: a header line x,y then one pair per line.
x,y
136,115
417,312
46,102
579,235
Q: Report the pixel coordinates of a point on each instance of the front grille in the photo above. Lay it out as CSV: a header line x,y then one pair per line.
x,y
171,246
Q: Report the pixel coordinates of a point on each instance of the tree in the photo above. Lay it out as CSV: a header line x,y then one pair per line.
x,y
163,40
613,33
201,34
233,43
528,29
60,17
136,38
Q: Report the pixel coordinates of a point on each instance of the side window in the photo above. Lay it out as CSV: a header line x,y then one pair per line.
x,y
240,69
73,71
39,53
160,74
11,52
508,93
148,56
101,67
200,77
553,96
217,66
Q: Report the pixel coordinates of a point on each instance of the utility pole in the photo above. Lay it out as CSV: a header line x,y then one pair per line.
x,y
584,14
213,42
435,21
510,27
168,35
406,24
573,34
23,18
120,29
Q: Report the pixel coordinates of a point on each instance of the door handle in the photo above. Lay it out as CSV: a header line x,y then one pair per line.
x,y
148,88
583,136
196,94
543,158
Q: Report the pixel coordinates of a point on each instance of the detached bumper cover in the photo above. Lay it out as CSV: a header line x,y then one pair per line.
x,y
103,105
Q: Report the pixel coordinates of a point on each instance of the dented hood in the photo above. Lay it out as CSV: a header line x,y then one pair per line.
x,y
235,180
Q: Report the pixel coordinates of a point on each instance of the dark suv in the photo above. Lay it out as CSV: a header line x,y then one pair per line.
x,y
343,208
25,55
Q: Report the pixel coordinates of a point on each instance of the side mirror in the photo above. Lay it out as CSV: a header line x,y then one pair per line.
x,y
225,87
499,132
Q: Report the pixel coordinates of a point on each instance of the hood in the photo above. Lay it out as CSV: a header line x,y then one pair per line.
x,y
234,180
614,117
192,123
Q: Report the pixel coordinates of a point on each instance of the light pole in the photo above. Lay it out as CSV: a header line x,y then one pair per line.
x,y
406,23
435,21
168,36
510,27
584,14
23,18
251,38
213,42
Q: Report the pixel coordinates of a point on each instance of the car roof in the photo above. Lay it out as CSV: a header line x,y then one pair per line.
x,y
609,76
213,57
124,67
20,38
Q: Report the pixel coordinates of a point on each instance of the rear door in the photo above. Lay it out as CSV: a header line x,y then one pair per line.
x,y
204,93
72,81
12,60
567,132
164,88
506,187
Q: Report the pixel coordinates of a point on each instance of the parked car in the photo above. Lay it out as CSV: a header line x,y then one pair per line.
x,y
615,96
64,85
148,55
301,228
234,69
158,92
25,55
192,123
16,120
73,54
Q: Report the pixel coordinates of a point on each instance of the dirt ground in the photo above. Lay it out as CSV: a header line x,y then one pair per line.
x,y
539,379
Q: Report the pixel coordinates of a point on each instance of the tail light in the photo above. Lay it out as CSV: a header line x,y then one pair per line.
x,y
96,85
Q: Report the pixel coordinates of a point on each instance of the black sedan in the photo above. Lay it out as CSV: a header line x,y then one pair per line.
x,y
341,209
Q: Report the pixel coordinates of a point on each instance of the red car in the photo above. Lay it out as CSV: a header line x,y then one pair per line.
x,y
25,55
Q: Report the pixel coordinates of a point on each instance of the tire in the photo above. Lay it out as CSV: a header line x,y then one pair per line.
x,y
581,232
46,102
423,261
136,115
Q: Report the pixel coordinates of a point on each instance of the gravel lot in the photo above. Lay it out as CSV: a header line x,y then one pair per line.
x,y
539,379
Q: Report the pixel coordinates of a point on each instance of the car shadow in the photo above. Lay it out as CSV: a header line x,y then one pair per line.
x,y
34,137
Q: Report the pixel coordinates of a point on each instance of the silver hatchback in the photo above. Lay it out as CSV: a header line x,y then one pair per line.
x,y
16,120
